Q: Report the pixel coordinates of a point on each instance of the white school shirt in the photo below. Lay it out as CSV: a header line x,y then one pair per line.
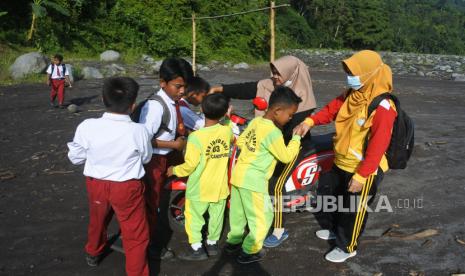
x,y
151,115
55,71
190,118
112,148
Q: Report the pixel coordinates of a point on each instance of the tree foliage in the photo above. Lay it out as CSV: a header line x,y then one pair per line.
x,y
163,28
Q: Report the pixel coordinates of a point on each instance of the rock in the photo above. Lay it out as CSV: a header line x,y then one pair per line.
x,y
458,77
28,64
147,59
69,69
241,65
443,67
91,73
114,70
431,74
72,108
156,66
205,69
420,73
109,56
398,60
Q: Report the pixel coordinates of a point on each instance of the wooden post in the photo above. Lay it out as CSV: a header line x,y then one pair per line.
x,y
272,42
194,44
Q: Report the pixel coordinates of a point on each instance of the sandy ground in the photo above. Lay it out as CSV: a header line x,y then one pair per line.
x,y
43,204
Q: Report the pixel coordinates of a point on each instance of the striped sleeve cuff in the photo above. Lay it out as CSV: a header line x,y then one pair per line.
x,y
309,121
359,178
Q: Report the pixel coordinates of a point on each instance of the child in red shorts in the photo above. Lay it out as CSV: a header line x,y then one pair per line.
x,y
57,77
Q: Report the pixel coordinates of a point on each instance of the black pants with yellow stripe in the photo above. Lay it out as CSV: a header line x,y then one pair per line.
x,y
348,224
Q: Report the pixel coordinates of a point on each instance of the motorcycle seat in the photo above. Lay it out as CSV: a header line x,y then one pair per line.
x,y
317,143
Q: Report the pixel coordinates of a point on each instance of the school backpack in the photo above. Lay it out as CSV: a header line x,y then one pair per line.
x,y
165,119
63,69
402,139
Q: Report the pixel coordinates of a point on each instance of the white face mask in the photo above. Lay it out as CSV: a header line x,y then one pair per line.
x,y
288,83
355,83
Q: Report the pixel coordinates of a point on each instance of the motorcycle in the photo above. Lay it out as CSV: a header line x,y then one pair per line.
x,y
299,179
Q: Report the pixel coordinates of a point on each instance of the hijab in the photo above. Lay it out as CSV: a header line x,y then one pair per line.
x,y
295,76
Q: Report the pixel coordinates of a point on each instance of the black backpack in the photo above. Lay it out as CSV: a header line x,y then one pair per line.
x,y
402,139
165,119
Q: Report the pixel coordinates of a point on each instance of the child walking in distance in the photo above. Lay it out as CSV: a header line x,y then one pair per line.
x,y
57,75
261,145
114,149
206,164
162,118
196,90
360,144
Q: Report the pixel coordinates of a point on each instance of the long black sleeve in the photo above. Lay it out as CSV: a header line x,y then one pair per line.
x,y
241,91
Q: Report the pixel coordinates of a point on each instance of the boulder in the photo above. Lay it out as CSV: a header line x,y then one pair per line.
x,y
458,77
72,108
91,73
114,70
69,69
147,59
109,56
241,65
29,63
156,66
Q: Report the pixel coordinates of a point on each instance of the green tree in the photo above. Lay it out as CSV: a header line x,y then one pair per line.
x,y
39,10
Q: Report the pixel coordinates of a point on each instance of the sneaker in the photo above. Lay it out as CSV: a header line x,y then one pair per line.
x,y
194,255
245,258
325,235
232,248
53,105
212,249
161,254
60,106
273,241
337,255
92,260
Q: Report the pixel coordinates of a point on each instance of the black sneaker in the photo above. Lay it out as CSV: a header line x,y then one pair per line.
x,y
212,249
161,253
92,260
245,258
232,248
194,255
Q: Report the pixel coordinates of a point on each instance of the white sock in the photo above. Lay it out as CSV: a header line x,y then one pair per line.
x,y
209,242
278,232
196,246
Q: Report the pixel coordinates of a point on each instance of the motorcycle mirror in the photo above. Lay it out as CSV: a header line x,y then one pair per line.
x,y
260,103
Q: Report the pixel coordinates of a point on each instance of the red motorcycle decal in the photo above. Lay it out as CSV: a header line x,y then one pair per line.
x,y
307,172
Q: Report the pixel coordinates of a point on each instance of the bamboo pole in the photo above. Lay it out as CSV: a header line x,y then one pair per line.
x,y
272,41
194,44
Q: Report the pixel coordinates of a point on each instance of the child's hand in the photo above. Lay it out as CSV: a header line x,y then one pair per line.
x,y
48,82
301,129
169,171
230,110
215,89
180,143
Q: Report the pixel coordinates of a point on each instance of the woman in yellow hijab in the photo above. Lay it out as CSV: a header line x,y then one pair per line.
x,y
360,144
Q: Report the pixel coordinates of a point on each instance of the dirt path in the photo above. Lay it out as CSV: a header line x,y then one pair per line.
x,y
43,205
